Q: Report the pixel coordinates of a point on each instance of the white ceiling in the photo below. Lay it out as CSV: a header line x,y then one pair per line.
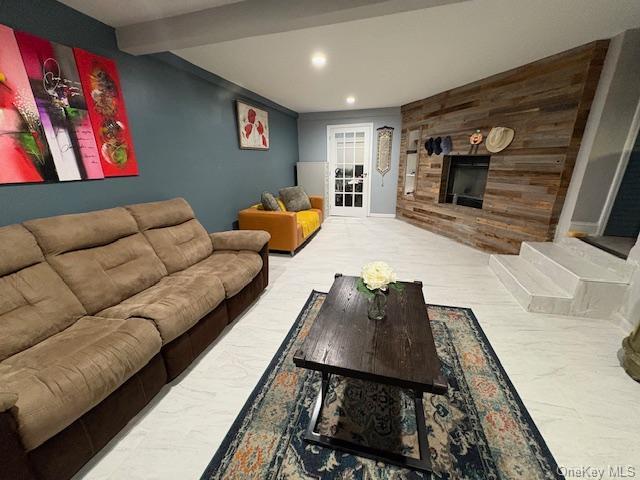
x,y
393,59
118,13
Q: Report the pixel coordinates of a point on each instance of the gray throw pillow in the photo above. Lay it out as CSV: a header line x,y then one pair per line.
x,y
269,202
295,199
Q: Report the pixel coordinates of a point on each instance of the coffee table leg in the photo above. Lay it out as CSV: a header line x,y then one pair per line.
x,y
423,441
317,409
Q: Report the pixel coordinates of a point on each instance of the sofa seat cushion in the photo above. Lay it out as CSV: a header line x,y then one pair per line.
x,y
61,378
235,269
309,220
174,304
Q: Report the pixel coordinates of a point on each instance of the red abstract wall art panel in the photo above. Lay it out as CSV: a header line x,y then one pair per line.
x,y
103,93
24,153
55,84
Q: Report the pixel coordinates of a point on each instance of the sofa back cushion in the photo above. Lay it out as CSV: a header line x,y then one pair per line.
x,y
101,255
172,229
34,301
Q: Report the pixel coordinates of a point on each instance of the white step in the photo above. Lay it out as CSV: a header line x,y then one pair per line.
x,y
597,299
566,268
599,257
535,291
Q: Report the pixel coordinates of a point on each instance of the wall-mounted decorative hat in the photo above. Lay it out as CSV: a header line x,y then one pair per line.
x,y
475,140
499,138
383,160
447,145
428,146
437,146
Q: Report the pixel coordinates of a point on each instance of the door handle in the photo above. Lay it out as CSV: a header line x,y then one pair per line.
x,y
364,175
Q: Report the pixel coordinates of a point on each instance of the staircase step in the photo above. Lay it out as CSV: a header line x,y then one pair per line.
x,y
599,257
534,290
566,268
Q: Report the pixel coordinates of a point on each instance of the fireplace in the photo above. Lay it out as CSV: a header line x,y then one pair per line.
x,y
466,179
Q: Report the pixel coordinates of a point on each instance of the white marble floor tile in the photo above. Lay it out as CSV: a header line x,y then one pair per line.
x,y
564,368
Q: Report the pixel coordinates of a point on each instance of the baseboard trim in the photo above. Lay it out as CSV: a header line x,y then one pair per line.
x,y
590,228
622,322
383,215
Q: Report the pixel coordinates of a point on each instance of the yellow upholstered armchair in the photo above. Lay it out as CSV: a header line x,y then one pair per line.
x,y
289,230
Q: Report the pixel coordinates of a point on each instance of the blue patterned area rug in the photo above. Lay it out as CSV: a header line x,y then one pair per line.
x,y
479,430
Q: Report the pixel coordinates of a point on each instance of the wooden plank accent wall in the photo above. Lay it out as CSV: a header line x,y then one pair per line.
x,y
547,104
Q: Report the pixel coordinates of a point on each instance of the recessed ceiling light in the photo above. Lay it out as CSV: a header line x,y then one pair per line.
x,y
351,99
319,60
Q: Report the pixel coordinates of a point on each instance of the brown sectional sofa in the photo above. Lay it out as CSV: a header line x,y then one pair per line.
x,y
97,312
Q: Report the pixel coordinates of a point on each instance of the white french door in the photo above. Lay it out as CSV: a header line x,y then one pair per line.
x,y
349,155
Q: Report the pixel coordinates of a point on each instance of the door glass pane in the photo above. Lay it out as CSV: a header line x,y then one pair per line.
x,y
339,154
357,200
359,155
340,137
348,200
359,186
348,171
348,186
359,170
339,185
348,141
339,172
339,200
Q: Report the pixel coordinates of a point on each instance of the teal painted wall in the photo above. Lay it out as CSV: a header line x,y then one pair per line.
x,y
183,125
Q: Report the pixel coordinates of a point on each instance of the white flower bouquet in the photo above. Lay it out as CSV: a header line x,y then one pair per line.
x,y
377,276
374,282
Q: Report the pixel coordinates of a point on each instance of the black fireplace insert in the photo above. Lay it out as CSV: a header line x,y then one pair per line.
x,y
466,179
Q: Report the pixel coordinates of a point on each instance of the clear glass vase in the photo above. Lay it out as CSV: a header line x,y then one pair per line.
x,y
377,305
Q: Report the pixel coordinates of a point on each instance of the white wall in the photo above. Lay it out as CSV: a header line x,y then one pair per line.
x,y
606,138
312,145
630,308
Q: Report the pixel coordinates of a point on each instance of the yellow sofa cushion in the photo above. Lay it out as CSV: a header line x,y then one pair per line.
x,y
309,220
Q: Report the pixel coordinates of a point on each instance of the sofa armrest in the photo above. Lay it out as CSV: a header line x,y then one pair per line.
x,y
317,202
7,401
253,240
282,226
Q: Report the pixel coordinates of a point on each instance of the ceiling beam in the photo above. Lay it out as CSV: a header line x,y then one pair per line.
x,y
251,18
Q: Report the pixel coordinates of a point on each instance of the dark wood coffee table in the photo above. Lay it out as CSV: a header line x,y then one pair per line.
x,y
398,350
